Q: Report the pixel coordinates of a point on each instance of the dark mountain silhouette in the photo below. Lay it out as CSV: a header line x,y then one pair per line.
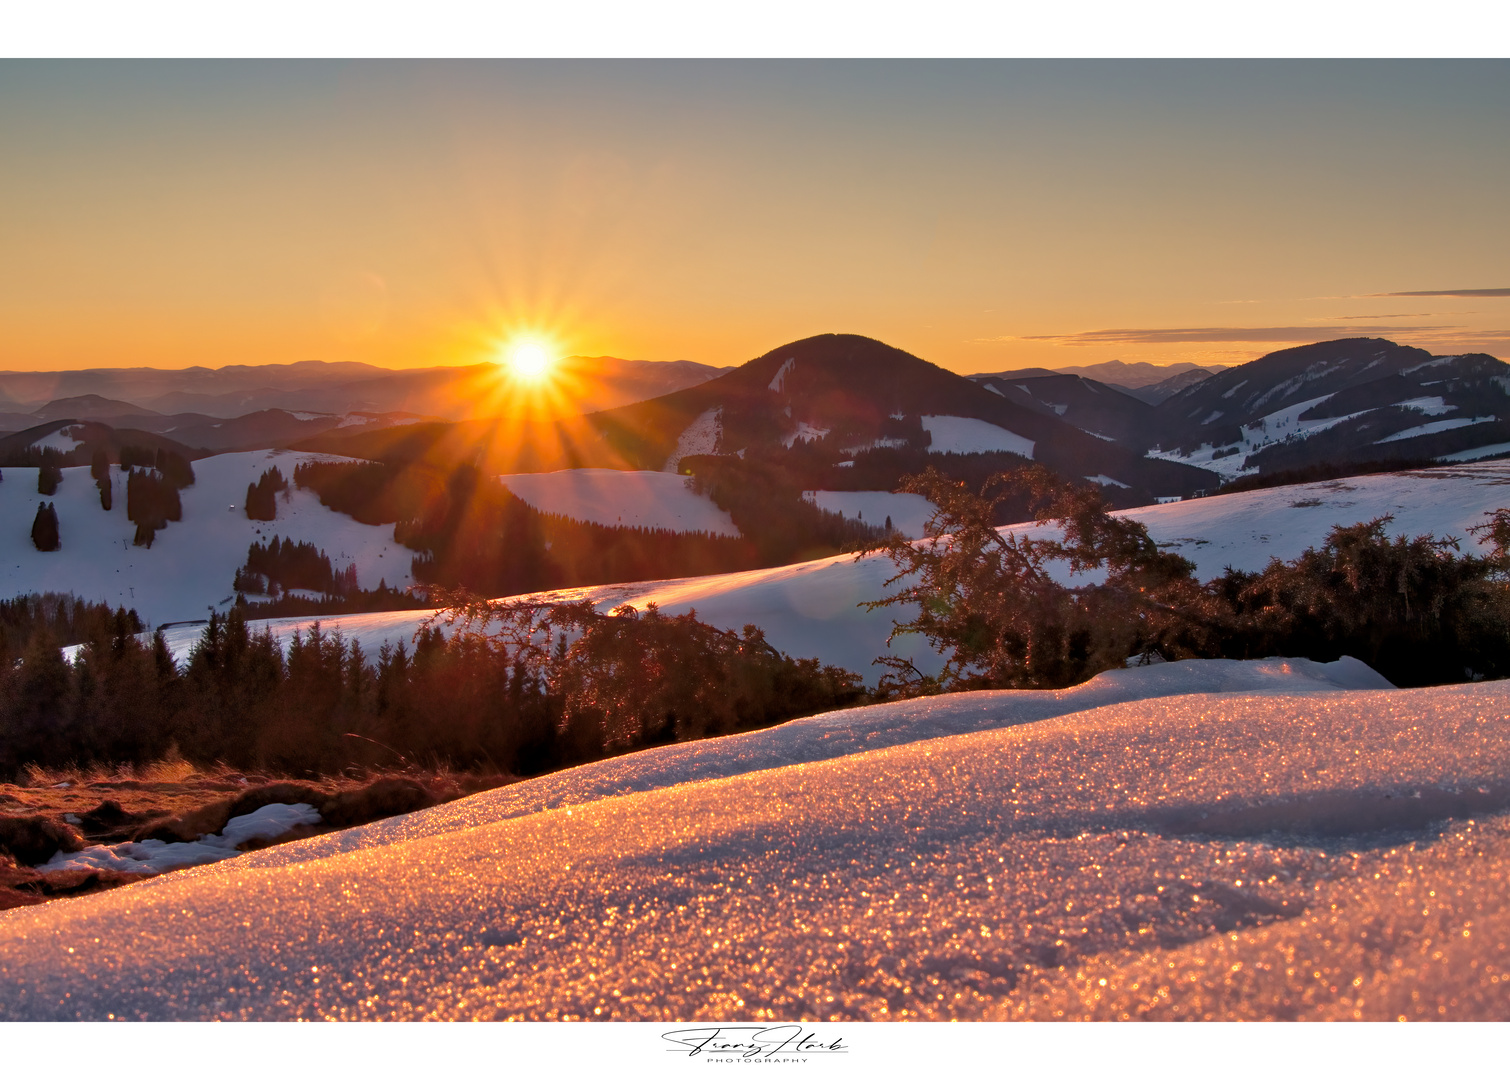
x,y
1094,407
337,388
1153,393
1358,399
22,448
1135,375
833,398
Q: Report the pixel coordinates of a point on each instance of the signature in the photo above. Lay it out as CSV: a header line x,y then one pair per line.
x,y
782,1040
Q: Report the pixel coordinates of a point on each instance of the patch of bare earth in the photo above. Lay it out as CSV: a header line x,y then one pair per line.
x,y
69,811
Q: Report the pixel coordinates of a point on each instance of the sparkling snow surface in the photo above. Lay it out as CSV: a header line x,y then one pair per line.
x,y
191,563
809,609
1299,852
650,500
963,435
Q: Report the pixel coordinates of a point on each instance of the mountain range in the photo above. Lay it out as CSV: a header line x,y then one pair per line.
x,y
451,393
842,410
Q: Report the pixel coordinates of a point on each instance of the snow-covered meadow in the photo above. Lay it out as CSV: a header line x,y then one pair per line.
x,y
190,566
648,500
1207,839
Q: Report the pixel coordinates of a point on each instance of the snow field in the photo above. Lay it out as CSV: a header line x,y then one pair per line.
x,y
1278,853
908,513
649,500
963,435
700,437
191,563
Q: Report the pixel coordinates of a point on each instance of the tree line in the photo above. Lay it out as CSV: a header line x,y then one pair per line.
x,y
542,688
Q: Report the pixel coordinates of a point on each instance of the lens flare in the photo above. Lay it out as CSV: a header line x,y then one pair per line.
x,y
529,360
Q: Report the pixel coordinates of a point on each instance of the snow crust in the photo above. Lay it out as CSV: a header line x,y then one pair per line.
x,y
1296,852
650,500
155,856
837,734
191,563
964,435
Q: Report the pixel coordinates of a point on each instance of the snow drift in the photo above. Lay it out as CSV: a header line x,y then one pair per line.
x,y
1130,857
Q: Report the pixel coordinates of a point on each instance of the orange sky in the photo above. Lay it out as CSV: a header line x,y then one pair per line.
x,y
984,215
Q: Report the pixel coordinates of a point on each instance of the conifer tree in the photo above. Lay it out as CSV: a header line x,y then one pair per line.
x,y
44,528
49,476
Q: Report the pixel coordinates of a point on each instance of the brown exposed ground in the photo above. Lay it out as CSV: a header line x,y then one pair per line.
x,y
171,801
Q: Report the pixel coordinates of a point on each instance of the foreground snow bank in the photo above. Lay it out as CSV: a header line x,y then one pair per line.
x,y
837,734
1248,851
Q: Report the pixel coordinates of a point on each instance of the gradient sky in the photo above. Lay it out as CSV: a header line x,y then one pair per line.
x,y
983,215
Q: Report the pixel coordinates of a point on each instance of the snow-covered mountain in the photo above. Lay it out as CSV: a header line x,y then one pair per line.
x,y
850,394
337,388
1211,839
1099,408
191,434
1356,400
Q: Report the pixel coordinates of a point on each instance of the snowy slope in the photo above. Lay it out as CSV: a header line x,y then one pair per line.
x,y
832,735
810,609
1245,530
908,513
191,563
1295,852
650,500
963,435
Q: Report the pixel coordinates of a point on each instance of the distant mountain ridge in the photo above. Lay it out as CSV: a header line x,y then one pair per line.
x,y
1356,399
841,411
336,388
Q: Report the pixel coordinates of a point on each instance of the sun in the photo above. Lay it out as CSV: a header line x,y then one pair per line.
x,y
530,361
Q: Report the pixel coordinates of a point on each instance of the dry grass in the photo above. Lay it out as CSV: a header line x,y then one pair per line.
x,y
172,800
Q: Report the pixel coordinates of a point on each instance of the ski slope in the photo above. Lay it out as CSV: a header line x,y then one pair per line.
x,y
811,609
647,500
190,566
1175,842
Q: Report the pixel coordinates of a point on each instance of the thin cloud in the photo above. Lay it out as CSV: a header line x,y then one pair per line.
x,y
1200,334
1412,315
1447,292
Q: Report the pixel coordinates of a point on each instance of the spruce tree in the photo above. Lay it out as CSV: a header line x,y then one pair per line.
x,y
49,476
44,528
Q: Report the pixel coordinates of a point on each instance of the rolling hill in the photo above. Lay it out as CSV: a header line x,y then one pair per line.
x,y
1354,400
814,407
